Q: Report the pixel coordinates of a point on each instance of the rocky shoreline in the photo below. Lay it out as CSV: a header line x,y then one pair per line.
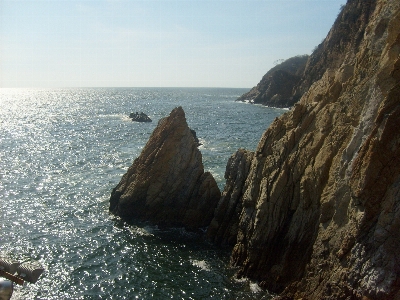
x,y
314,211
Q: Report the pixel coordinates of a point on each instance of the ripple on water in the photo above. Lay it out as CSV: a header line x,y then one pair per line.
x,y
61,153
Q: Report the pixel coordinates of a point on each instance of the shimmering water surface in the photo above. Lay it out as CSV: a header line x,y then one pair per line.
x,y
61,153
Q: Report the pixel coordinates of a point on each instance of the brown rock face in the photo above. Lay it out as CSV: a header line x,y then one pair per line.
x,y
166,184
320,206
224,227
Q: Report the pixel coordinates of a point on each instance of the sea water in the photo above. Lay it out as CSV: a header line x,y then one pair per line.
x,y
61,153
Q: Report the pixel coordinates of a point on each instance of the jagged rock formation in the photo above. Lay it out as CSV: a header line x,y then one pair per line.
x,y
224,226
166,184
320,207
278,87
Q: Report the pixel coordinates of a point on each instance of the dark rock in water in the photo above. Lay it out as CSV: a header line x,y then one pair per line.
x,y
166,185
139,117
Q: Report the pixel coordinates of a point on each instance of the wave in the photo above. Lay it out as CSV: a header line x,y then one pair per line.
x,y
250,101
202,264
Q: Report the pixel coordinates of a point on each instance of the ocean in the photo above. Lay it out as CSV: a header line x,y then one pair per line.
x,y
62,151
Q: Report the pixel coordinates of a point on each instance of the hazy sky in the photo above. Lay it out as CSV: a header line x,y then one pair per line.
x,y
133,43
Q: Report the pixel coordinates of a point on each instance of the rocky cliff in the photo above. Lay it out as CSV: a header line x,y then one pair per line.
x,y
224,227
166,185
316,214
279,86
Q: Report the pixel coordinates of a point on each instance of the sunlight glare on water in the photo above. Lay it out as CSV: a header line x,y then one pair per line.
x,y
62,152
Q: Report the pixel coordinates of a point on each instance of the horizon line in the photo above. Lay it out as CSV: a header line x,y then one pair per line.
x,y
128,87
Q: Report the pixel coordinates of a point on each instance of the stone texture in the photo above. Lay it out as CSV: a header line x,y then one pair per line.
x,y
320,215
224,226
166,185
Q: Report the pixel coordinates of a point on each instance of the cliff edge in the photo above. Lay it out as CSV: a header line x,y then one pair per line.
x,y
316,215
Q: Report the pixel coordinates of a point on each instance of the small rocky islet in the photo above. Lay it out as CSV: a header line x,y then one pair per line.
x,y
314,211
139,117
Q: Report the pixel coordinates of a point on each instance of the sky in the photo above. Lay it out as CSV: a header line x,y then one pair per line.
x,y
155,43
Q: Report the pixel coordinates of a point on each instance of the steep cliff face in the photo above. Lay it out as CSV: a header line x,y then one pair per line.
x,y
320,206
166,184
279,86
284,85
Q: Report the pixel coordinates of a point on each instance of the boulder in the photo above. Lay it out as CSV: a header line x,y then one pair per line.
x,y
139,117
166,185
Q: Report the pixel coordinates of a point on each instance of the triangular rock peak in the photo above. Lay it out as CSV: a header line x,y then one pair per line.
x,y
166,185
